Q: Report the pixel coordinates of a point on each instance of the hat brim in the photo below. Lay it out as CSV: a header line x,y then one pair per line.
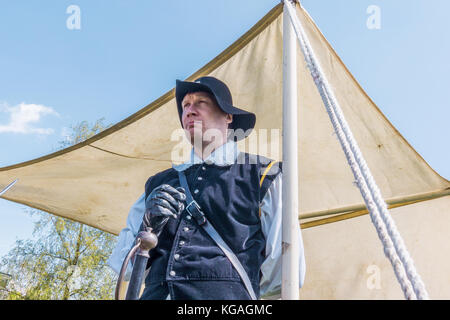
x,y
242,119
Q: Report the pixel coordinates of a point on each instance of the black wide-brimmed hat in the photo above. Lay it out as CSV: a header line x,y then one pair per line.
x,y
241,119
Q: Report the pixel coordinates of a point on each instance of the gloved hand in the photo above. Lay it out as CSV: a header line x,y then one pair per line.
x,y
161,204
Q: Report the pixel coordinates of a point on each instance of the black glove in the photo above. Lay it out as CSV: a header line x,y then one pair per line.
x,y
161,204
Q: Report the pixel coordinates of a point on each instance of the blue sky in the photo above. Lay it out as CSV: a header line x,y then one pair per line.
x,y
128,53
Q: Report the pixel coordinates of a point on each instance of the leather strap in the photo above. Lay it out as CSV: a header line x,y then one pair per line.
x,y
195,211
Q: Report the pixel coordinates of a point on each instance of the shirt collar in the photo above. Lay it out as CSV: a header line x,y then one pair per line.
x,y
224,155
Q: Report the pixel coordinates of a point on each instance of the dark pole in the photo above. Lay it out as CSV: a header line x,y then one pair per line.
x,y
145,241
148,241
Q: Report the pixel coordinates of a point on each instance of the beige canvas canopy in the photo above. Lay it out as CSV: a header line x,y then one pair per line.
x,y
96,182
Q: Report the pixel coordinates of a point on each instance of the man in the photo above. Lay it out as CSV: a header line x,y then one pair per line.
x,y
240,195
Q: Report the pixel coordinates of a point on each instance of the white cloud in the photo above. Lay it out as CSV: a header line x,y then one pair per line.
x,y
23,116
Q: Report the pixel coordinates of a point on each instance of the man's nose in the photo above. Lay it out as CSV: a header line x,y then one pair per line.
x,y
190,110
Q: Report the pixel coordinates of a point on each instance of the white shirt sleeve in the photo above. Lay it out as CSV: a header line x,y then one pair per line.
x,y
126,238
271,205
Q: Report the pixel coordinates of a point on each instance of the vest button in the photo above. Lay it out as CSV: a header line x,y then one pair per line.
x,y
182,243
188,217
196,191
172,273
185,229
200,178
176,256
203,168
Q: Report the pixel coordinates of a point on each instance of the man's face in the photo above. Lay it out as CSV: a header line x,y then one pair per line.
x,y
201,113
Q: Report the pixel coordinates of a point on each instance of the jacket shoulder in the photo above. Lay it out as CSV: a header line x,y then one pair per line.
x,y
268,172
268,169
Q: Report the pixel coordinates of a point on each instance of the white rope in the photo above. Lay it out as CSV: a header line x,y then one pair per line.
x,y
394,246
388,245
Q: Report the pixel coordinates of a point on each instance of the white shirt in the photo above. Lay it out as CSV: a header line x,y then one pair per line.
x,y
270,283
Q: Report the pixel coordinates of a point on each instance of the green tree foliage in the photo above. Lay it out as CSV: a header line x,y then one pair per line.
x,y
65,259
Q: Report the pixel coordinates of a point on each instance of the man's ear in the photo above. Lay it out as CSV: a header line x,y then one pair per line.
x,y
229,118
